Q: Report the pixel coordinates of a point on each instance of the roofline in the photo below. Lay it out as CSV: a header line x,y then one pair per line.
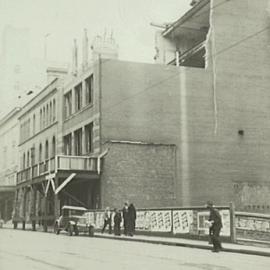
x,y
10,114
186,16
36,96
139,143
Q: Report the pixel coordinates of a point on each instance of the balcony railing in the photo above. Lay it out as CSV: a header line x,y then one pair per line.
x,y
60,162
185,55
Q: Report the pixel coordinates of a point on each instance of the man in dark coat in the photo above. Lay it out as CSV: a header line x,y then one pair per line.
x,y
131,219
117,221
125,218
216,225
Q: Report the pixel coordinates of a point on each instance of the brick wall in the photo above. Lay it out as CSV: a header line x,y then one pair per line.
x,y
164,104
140,173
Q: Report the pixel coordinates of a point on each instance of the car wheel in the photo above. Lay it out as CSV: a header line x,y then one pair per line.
x,y
70,230
56,229
76,230
91,231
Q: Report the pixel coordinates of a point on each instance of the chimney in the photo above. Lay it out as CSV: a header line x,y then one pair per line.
x,y
84,50
194,2
75,58
55,72
104,47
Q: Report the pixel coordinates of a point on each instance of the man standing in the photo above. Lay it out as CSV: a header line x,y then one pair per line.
x,y
215,226
132,219
107,216
125,218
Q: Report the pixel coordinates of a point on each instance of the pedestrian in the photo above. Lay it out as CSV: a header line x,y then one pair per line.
x,y
131,219
117,221
215,222
125,218
107,217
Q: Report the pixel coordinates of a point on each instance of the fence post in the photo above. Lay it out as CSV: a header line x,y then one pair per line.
x,y
172,222
232,223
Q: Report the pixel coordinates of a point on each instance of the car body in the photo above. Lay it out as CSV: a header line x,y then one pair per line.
x,y
73,220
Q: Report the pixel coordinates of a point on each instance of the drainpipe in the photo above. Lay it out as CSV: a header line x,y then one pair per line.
x,y
99,159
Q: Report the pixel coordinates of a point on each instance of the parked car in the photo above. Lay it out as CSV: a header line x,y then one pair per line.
x,y
73,220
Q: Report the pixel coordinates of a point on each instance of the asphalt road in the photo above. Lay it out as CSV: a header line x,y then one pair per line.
x,y
21,250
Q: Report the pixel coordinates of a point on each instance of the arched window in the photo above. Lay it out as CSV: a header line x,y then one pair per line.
x,y
53,146
34,124
44,117
40,153
51,118
47,115
23,161
54,111
28,159
46,150
40,119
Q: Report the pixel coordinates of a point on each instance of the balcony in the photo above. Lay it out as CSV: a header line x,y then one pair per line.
x,y
59,163
193,57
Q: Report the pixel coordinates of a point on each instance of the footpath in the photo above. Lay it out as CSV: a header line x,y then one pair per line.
x,y
174,241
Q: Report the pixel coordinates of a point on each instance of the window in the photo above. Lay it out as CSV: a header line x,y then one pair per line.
x,y
51,113
47,115
89,85
78,142
44,118
23,161
40,119
67,144
40,153
46,150
68,104
53,147
78,97
33,156
28,159
89,138
34,124
54,110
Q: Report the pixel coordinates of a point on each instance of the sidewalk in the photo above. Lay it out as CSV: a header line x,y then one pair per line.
x,y
227,247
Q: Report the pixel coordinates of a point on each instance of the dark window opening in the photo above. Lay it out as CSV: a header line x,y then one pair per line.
x,y
89,86
78,97
89,138
78,142
67,144
53,146
68,104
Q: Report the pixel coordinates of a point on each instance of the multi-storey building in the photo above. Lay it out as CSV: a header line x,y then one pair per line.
x,y
221,48
155,134
9,137
40,137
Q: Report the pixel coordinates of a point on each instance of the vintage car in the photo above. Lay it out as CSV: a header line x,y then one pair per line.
x,y
73,220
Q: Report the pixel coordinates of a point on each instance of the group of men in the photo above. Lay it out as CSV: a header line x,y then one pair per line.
x,y
128,215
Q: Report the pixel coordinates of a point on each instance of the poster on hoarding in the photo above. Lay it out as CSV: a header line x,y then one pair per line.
x,y
182,220
99,220
203,226
155,221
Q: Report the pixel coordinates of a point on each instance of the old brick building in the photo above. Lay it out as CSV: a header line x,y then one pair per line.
x,y
221,48
192,127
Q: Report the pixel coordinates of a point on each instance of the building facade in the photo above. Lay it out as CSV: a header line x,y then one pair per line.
x,y
9,138
192,127
223,44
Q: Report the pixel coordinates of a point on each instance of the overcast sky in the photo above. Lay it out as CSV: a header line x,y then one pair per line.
x,y
66,19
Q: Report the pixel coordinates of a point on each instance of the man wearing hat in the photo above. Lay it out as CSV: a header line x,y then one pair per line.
x,y
215,225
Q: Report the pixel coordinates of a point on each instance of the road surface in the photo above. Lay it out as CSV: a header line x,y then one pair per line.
x,y
21,250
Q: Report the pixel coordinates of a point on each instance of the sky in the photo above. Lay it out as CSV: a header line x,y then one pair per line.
x,y
65,20
57,22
